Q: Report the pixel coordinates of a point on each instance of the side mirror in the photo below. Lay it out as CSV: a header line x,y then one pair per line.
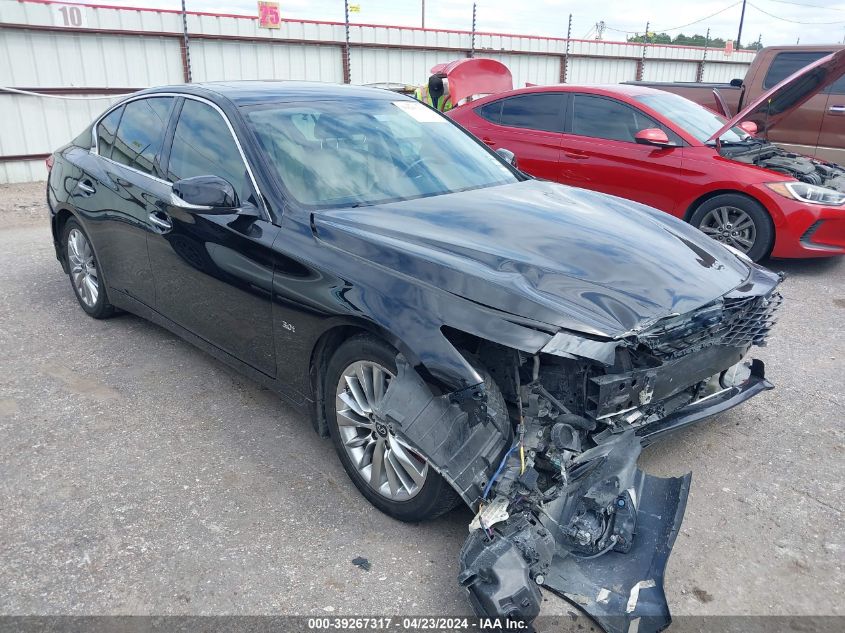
x,y
508,155
749,126
736,83
653,136
207,193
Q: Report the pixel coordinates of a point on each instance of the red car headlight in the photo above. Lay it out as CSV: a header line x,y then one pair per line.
x,y
804,192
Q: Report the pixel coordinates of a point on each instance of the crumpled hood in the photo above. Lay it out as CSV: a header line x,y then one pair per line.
x,y
560,255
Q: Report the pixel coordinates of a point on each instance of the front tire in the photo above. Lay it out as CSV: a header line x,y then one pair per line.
x,y
393,477
85,275
737,221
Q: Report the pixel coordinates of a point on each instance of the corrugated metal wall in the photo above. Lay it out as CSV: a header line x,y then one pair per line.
x,y
723,72
110,50
670,71
217,60
596,70
47,59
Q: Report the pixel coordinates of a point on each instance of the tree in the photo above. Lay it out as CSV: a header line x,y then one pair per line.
x,y
684,40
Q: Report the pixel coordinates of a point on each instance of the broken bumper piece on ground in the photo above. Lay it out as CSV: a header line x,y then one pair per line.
x,y
602,543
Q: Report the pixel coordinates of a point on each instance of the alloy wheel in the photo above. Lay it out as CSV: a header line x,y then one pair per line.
x,y
83,267
730,225
388,465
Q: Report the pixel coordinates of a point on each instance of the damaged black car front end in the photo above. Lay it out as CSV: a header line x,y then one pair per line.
x,y
559,500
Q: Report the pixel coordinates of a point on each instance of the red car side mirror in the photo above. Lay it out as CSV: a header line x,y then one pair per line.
x,y
749,126
653,136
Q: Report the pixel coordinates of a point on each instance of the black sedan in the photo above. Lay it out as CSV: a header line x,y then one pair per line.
x,y
462,332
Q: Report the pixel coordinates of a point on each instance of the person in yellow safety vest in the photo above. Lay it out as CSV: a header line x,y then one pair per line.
x,y
435,94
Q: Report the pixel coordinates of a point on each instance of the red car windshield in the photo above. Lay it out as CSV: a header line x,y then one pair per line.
x,y
695,119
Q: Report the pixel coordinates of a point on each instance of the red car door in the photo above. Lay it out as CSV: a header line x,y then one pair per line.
x,y
529,125
599,152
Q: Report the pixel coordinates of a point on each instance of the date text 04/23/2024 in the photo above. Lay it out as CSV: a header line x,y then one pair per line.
x,y
438,624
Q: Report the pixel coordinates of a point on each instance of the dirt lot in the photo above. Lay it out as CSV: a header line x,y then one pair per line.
x,y
140,476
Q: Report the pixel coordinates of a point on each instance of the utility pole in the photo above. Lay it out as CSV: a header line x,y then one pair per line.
x,y
641,64
347,75
423,13
472,43
741,20
600,26
564,63
186,59
700,74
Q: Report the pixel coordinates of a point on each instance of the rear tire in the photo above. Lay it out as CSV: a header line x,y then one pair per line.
x,y
85,274
737,221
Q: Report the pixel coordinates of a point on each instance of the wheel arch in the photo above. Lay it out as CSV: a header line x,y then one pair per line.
x,y
59,220
774,219
720,192
326,345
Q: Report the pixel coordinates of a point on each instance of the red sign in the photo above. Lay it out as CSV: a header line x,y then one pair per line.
x,y
729,47
269,16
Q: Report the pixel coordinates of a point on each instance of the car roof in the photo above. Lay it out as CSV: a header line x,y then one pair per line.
x,y
250,92
616,90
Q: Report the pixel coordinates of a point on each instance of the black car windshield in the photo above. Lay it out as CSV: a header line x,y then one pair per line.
x,y
364,152
697,120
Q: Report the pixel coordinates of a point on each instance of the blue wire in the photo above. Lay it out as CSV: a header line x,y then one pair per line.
x,y
498,471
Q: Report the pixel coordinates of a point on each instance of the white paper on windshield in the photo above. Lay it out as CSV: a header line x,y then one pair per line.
x,y
420,112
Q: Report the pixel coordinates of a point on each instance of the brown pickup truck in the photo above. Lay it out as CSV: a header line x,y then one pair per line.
x,y
815,129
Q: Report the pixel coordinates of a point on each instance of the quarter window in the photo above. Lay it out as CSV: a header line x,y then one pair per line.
x,y
599,117
140,134
541,111
491,111
105,132
786,64
204,146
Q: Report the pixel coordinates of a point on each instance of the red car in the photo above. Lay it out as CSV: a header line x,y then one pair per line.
x,y
670,153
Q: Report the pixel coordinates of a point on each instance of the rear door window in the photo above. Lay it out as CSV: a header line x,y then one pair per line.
x,y
105,132
141,132
204,146
786,64
539,111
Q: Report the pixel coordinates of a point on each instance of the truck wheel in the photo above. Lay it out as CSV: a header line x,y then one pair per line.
x,y
737,221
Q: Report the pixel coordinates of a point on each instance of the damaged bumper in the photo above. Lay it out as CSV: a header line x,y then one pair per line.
x,y
620,589
559,499
581,545
709,406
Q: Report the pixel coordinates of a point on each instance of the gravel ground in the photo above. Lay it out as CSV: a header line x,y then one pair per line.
x,y
140,476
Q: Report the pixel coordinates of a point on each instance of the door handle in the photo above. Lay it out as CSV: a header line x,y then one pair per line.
x,y
161,221
86,187
837,109
576,155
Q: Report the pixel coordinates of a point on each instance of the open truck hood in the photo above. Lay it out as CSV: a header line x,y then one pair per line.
x,y
563,256
772,106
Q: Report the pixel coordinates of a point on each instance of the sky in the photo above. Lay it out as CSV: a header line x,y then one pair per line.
x,y
774,21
